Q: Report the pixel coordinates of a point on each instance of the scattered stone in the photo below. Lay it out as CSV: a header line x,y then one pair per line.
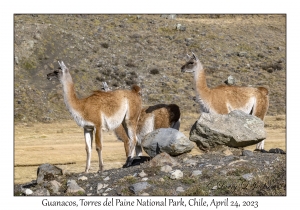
x,y
138,187
144,179
73,187
171,17
242,54
227,152
106,178
277,150
214,187
229,158
248,176
28,192
197,173
54,186
236,129
142,174
191,163
180,27
230,80
16,60
163,159
167,140
177,174
46,172
101,186
166,169
41,192
237,161
161,179
247,153
223,172
180,189
82,178
108,189
37,36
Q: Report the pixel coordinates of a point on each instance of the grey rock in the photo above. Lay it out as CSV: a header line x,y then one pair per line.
x,y
248,176
190,162
54,186
167,140
16,60
247,153
163,159
100,187
242,54
229,158
177,174
180,189
236,129
73,187
227,152
46,172
214,187
82,178
138,187
180,27
197,173
277,150
166,169
37,36
28,192
230,80
142,174
171,16
41,192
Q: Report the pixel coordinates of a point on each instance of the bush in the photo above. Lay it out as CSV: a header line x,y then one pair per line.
x,y
105,45
154,71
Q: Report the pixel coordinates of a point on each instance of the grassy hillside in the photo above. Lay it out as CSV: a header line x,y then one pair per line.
x,y
147,50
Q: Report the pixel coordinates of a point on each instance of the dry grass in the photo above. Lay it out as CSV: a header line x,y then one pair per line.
x,y
63,142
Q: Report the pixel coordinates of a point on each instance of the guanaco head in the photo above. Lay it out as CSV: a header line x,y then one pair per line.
x,y
60,73
192,64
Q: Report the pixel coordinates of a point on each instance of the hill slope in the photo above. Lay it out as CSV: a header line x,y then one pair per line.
x,y
144,49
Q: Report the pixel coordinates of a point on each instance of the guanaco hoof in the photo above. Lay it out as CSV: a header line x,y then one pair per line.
x,y
128,162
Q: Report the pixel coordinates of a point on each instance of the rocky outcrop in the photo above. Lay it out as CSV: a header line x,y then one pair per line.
x,y
167,140
236,129
46,172
212,173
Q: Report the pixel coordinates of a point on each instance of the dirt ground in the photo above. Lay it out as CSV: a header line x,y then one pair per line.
x,y
62,143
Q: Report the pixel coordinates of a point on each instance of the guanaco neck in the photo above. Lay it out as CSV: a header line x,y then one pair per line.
x,y
200,81
70,98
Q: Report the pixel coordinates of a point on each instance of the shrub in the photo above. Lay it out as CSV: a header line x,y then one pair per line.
x,y
105,45
154,71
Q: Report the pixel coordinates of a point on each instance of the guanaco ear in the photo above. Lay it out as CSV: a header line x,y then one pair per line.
x,y
63,66
194,56
189,57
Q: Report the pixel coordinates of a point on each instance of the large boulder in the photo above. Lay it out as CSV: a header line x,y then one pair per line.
x,y
236,129
46,172
167,140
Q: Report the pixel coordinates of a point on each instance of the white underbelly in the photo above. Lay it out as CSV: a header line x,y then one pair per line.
x,y
115,120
